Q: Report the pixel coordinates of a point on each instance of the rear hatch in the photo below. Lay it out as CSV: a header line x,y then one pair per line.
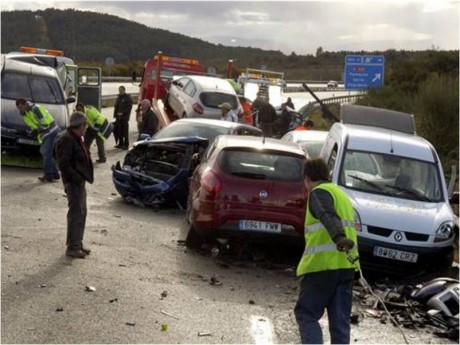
x,y
263,187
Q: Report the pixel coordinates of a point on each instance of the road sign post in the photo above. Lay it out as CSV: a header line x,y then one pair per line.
x,y
364,71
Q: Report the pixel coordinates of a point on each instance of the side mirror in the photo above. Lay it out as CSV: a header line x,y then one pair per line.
x,y
71,99
143,137
454,198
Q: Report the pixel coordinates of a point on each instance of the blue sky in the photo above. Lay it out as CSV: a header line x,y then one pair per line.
x,y
290,26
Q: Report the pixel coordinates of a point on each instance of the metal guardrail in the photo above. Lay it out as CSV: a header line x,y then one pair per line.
x,y
349,99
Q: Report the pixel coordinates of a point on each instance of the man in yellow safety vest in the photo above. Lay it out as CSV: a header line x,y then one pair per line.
x,y
330,260
99,128
42,124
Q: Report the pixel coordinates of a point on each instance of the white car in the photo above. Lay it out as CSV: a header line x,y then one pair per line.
x,y
396,184
332,83
311,142
199,96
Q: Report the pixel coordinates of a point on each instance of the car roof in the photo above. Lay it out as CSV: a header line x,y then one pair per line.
x,y
213,122
212,83
308,135
259,143
386,140
29,68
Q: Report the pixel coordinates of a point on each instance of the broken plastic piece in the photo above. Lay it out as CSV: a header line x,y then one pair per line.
x,y
204,334
164,327
90,288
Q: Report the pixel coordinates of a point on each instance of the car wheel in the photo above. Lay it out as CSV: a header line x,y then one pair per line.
x,y
193,240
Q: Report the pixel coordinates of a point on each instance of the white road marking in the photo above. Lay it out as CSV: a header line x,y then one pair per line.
x,y
261,330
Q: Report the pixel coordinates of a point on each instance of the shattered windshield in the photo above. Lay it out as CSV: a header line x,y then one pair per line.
x,y
391,175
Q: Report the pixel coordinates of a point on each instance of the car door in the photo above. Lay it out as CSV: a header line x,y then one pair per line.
x,y
176,95
190,97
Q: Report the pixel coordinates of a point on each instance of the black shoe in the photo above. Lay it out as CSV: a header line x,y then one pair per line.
x,y
45,179
56,178
101,160
118,146
86,250
75,253
124,148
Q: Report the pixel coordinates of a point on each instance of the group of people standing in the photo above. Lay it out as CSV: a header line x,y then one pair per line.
x,y
326,272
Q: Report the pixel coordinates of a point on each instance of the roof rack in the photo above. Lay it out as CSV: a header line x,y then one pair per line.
x,y
377,117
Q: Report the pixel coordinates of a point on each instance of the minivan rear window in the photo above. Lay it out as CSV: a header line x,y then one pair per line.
x,y
214,99
35,88
263,165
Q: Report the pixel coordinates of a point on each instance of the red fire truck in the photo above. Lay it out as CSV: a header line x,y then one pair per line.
x,y
155,89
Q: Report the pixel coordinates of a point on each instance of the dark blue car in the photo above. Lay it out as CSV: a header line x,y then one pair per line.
x,y
156,172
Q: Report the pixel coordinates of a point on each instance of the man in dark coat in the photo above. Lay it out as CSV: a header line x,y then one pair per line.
x,y
149,123
122,112
266,118
76,168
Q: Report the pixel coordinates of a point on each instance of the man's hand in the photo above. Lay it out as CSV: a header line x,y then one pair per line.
x,y
344,244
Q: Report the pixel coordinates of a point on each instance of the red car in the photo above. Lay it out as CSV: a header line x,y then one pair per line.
x,y
248,187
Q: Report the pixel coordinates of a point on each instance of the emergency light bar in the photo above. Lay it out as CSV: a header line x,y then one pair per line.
x,y
31,50
178,60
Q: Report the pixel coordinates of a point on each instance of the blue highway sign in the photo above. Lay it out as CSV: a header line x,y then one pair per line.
x,y
364,71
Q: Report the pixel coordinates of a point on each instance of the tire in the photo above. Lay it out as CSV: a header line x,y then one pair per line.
x,y
193,240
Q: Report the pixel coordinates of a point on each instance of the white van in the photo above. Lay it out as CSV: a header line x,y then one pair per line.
x,y
396,183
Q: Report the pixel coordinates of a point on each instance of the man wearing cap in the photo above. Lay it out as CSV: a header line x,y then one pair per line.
x,y
42,124
227,112
74,161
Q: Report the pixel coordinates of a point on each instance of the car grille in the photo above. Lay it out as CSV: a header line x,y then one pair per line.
x,y
410,236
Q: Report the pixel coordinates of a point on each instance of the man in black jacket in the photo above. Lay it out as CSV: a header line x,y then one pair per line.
x,y
122,112
149,123
76,166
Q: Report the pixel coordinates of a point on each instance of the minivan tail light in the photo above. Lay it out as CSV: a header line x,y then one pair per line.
x,y
197,108
211,182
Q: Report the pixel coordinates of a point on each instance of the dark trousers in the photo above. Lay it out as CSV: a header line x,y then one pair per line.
x,y
90,135
123,138
267,128
76,216
331,291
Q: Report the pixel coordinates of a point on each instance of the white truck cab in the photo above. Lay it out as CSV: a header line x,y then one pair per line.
x,y
396,183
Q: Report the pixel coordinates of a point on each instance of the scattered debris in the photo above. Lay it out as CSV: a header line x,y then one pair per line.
x,y
164,294
59,309
113,300
251,302
41,285
130,324
164,327
105,232
115,194
117,215
355,318
215,251
163,312
90,288
181,242
6,247
204,334
434,303
214,281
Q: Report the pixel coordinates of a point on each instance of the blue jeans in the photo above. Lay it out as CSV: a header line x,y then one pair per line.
x,y
319,291
50,168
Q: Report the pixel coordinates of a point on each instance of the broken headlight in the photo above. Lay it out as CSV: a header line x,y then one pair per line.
x,y
444,232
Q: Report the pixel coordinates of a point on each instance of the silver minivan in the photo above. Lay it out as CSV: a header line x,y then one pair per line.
x,y
200,96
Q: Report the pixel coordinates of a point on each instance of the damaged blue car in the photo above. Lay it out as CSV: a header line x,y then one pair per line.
x,y
156,172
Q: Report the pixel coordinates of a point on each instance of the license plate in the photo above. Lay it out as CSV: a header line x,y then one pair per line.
x,y
28,141
259,225
395,254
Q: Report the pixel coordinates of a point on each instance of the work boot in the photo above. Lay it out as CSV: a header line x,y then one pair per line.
x,y
46,179
101,160
86,250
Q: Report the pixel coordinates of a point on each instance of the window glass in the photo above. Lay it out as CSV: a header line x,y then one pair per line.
x,y
213,99
391,175
35,88
264,165
190,89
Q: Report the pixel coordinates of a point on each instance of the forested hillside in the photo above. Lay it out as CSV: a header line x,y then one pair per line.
x,y
90,38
